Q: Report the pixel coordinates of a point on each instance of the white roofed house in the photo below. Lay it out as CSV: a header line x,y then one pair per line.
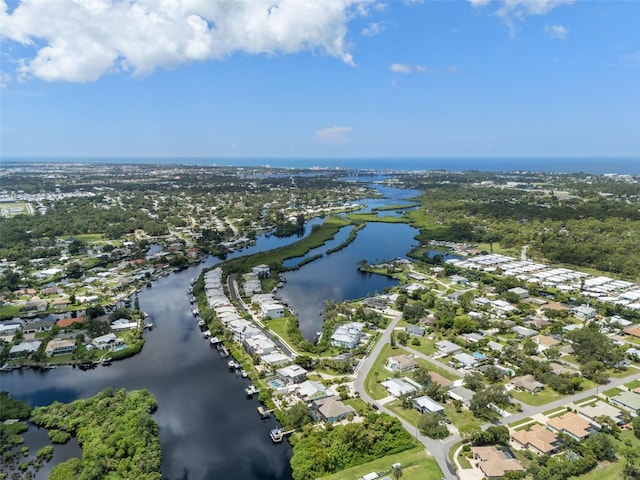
x,y
309,391
24,349
347,335
292,374
400,386
425,404
60,347
105,341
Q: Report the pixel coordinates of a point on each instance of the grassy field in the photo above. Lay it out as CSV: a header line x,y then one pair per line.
x,y
373,217
86,237
416,465
553,411
540,398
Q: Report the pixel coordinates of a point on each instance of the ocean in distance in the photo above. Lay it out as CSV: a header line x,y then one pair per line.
x,y
591,165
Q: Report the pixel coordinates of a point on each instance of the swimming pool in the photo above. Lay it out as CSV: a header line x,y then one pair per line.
x,y
120,347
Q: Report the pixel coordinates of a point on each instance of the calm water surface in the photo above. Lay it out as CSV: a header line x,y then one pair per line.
x,y
208,430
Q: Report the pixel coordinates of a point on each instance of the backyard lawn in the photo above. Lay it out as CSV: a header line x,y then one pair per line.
x,y
541,398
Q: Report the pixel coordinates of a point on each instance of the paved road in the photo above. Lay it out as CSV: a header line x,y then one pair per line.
x,y
439,449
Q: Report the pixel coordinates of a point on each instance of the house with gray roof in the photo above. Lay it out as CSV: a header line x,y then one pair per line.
x,y
446,347
629,401
24,349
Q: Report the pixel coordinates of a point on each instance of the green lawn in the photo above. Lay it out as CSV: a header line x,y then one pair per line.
x,y
553,411
9,311
612,392
416,465
358,404
86,237
632,385
524,420
540,398
426,347
372,382
463,417
604,471
622,373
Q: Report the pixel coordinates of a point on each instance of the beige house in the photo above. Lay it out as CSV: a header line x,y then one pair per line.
x,y
495,462
400,363
538,439
527,383
571,424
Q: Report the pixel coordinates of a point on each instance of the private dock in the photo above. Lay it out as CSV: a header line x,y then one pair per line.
x,y
263,412
278,434
251,390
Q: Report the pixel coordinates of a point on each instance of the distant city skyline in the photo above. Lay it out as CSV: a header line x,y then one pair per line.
x,y
343,78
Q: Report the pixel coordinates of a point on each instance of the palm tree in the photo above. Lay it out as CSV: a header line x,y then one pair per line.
x,y
396,470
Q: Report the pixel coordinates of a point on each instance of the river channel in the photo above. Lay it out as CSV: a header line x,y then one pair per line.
x,y
208,430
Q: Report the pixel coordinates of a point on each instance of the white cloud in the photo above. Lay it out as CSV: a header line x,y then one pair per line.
x,y
404,68
478,3
557,31
509,10
81,40
332,134
372,29
401,68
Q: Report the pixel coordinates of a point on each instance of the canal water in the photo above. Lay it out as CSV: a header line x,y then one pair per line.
x,y
208,429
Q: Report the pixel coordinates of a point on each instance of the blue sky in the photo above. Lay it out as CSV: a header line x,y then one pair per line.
x,y
320,78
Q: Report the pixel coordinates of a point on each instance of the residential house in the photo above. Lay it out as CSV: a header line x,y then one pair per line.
x,y
584,312
24,349
445,347
262,271
275,359
629,401
309,391
495,346
292,374
545,342
347,335
426,404
400,386
523,331
440,380
415,330
538,439
458,280
527,383
463,360
104,342
331,409
400,363
40,325
501,306
495,462
60,346
520,292
123,324
472,337
633,331
601,409
68,322
573,425
462,394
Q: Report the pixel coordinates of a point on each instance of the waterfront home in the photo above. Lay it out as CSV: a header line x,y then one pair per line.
x,y
123,324
35,304
68,322
292,374
537,439
275,359
24,349
573,425
309,391
527,383
39,325
426,404
347,335
259,345
105,341
60,346
269,307
495,462
10,328
630,401
331,409
400,363
262,271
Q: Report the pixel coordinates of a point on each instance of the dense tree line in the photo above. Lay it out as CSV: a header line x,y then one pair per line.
x,y
323,451
118,436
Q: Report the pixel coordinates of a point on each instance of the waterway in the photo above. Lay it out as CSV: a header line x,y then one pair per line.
x,y
208,430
